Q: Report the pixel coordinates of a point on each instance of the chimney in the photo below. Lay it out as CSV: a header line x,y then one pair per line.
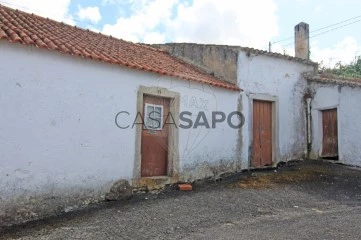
x,y
302,47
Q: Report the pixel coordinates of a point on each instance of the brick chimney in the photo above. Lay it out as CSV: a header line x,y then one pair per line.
x,y
302,45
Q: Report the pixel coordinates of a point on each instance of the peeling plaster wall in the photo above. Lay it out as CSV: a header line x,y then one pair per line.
x,y
347,101
59,146
282,79
209,152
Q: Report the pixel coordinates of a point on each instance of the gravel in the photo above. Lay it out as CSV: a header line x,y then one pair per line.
x,y
300,200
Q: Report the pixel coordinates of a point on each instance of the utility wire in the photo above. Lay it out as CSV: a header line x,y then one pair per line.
x,y
336,24
333,29
319,29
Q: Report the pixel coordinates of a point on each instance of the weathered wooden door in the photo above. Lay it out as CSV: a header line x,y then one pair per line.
x,y
154,142
330,137
262,134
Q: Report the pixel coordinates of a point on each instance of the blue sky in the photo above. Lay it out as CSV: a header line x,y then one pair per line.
x,y
234,22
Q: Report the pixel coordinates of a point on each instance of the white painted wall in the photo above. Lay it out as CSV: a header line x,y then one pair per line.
x,y
282,79
347,101
58,136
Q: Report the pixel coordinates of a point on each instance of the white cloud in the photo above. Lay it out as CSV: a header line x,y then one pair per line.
x,y
247,23
344,51
146,16
153,37
251,23
57,10
277,47
89,13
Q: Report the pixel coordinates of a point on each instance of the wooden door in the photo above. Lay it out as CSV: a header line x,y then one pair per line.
x,y
154,142
262,134
330,136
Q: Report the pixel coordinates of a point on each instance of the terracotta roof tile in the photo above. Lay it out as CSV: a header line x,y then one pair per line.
x,y
3,34
30,29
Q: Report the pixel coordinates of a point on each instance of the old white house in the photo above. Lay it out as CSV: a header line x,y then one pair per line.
x,y
291,111
272,99
80,110
335,129
69,99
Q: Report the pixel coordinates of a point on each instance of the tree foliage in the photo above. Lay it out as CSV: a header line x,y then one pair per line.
x,y
352,70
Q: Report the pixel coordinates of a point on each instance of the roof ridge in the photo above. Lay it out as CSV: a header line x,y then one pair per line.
x,y
146,45
330,75
76,27
31,29
198,68
332,79
275,54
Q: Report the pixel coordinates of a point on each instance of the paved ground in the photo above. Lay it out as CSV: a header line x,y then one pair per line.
x,y
305,200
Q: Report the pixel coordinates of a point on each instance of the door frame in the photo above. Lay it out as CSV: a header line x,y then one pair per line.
x,y
173,134
275,125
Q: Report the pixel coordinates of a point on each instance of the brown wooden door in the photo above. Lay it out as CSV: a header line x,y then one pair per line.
x,y
330,136
262,134
154,143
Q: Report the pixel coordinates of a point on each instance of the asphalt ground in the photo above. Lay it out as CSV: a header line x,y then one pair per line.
x,y
298,200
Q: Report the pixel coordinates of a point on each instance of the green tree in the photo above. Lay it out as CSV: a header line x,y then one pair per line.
x,y
352,70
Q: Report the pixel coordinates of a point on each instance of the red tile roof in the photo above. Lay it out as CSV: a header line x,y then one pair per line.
x,y
29,29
